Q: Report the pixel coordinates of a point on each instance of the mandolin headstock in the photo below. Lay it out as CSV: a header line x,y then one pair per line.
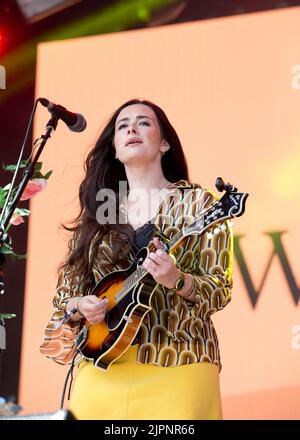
x,y
231,204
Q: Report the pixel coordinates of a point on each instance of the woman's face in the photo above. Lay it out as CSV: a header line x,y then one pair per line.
x,y
138,121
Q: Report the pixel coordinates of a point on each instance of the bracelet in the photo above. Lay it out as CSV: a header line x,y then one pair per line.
x,y
189,293
77,307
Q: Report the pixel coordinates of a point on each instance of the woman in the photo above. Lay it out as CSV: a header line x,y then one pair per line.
x,y
171,370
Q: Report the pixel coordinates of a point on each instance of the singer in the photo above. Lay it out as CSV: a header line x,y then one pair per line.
x,y
171,369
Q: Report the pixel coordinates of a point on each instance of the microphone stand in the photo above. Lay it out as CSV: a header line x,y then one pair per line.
x,y
50,127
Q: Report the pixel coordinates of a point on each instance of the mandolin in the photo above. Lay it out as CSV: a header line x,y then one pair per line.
x,y
129,291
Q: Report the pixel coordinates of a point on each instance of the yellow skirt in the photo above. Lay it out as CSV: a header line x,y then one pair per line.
x,y
131,391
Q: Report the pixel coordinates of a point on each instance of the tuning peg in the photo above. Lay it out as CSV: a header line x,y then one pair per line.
x,y
216,230
220,185
210,235
223,227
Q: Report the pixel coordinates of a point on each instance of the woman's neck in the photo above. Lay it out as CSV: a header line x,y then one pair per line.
x,y
145,178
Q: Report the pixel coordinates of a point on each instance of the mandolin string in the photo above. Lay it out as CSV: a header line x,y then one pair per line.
x,y
141,272
138,274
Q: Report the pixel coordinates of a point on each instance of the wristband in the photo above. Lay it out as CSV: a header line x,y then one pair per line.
x,y
191,290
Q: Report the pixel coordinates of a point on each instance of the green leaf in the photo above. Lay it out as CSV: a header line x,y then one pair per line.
x,y
7,315
37,167
47,175
2,197
6,249
37,175
20,256
7,187
23,164
22,211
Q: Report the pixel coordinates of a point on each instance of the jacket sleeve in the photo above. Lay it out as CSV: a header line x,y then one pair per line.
x,y
58,341
213,265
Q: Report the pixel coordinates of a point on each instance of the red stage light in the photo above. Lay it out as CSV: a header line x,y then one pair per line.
x,y
3,40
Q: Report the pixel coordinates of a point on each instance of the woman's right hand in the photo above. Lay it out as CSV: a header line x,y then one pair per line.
x,y
93,309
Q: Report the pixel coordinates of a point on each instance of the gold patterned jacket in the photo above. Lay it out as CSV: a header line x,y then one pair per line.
x,y
175,331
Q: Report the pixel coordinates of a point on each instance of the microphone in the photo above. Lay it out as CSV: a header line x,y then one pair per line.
x,y
74,121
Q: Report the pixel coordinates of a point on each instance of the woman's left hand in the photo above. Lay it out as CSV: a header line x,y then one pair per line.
x,y
161,266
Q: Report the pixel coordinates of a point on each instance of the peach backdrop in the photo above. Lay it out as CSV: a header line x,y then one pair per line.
x,y
230,88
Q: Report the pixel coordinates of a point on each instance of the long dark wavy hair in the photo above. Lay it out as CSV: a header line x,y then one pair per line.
x,y
103,170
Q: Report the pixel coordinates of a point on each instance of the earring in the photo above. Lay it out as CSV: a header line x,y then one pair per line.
x,y
164,152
